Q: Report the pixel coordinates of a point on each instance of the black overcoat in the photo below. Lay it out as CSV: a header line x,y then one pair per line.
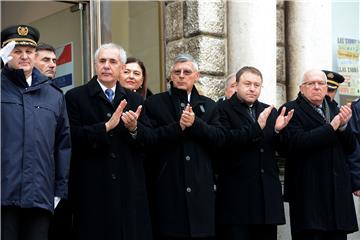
x,y
317,177
249,189
184,194
107,183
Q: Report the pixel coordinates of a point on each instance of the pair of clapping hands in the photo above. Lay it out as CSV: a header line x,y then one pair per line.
x,y
129,118
281,121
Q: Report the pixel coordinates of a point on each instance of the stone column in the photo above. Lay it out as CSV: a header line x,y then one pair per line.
x,y
308,40
198,28
252,41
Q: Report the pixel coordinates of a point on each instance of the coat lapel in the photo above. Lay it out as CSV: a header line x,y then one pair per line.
x,y
309,110
240,107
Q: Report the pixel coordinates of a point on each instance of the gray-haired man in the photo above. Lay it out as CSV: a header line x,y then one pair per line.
x,y
186,128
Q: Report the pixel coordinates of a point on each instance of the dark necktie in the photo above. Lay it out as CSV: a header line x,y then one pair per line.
x,y
109,94
320,111
252,113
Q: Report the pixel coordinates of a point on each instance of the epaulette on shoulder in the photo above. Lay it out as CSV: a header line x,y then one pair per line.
x,y
54,85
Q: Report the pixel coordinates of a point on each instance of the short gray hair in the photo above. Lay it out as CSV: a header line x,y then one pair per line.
x,y
184,57
122,56
229,77
312,72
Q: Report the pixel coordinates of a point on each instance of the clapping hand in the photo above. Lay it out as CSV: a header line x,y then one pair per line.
x,y
115,118
264,116
130,119
282,120
187,117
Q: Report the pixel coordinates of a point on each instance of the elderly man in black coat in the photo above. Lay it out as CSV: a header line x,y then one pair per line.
x,y
107,183
249,201
317,177
186,129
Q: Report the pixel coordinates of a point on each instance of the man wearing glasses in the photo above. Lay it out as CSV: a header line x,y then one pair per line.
x,y
186,131
317,178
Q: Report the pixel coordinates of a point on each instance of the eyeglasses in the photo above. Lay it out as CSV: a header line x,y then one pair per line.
x,y
313,84
186,72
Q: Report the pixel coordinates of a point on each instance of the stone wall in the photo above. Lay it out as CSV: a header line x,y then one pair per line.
x,y
199,29
280,54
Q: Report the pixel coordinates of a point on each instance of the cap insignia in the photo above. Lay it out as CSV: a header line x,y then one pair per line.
x,y
330,75
22,31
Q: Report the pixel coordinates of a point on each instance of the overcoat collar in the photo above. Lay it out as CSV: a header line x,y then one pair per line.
x,y
309,110
95,90
242,108
17,76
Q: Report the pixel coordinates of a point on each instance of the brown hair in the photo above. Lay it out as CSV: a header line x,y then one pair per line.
x,y
143,88
248,69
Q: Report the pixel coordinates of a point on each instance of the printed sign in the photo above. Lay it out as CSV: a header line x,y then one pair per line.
x,y
348,65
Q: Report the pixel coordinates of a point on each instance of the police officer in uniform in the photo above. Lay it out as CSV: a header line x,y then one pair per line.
x,y
35,141
333,83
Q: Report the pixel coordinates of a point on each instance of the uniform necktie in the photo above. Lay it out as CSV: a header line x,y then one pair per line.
x,y
252,113
109,94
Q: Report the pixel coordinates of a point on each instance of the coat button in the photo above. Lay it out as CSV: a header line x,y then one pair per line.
x,y
182,105
113,176
261,150
108,114
187,158
188,189
113,155
262,170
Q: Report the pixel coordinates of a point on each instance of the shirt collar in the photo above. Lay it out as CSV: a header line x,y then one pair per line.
x,y
29,80
104,87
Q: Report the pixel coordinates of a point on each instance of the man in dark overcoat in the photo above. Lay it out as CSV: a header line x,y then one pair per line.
x,y
317,177
107,183
249,199
186,129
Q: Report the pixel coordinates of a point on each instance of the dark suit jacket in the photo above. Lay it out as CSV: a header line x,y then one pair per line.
x,y
107,183
249,189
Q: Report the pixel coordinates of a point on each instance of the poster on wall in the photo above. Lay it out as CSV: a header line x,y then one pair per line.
x,y
65,67
348,65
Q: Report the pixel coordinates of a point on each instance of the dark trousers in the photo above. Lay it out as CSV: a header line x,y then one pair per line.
x,y
61,222
319,235
24,223
247,232
185,238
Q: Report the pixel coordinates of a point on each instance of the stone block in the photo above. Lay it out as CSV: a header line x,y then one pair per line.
x,y
209,52
173,21
280,94
279,3
211,86
280,65
280,27
204,17
172,50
